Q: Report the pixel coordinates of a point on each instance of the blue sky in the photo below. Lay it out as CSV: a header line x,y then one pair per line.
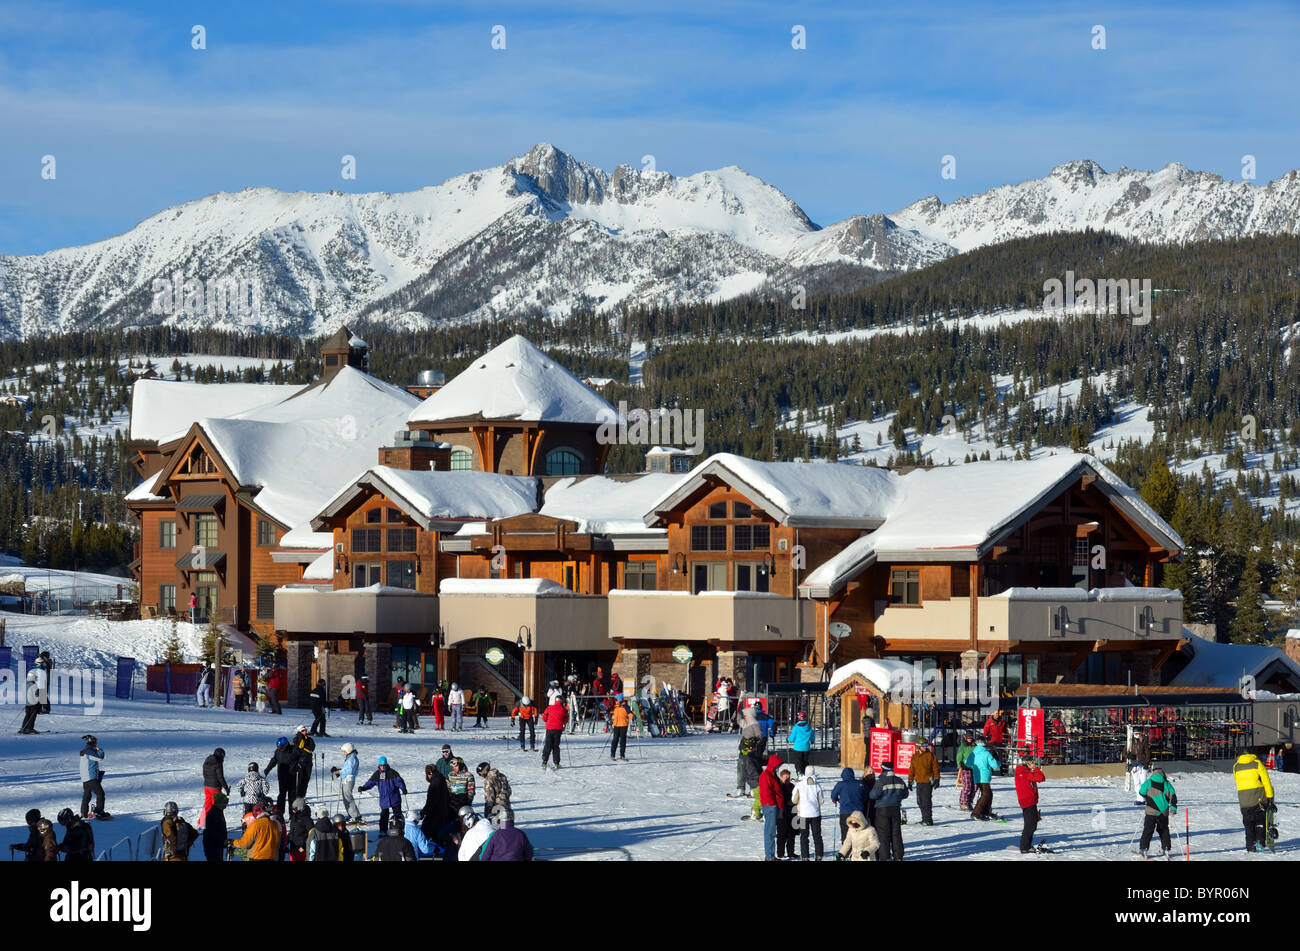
x,y
857,122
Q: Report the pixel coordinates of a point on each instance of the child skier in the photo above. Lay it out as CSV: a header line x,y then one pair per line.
x,y
1161,801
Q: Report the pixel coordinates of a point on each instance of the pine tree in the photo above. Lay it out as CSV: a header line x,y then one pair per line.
x,y
1160,489
173,652
1250,623
209,645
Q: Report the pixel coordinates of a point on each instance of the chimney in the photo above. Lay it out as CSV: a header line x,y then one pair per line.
x,y
427,382
415,450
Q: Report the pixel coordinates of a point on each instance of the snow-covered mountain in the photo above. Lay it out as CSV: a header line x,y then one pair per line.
x,y
546,233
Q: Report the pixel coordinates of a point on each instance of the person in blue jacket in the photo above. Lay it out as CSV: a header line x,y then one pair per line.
x,y
850,795
888,794
391,788
419,841
982,763
347,777
801,740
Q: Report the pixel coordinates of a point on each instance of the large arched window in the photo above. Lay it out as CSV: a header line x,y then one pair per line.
x,y
563,462
461,460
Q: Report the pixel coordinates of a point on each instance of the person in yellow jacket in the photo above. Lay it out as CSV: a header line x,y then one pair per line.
x,y
1255,795
261,840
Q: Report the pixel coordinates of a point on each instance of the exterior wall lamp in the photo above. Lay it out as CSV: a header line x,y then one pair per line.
x,y
519,640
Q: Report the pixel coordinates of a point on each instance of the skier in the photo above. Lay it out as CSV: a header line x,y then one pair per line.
x,y
456,702
436,817
923,776
261,839
394,847
177,834
214,829
888,794
92,775
507,844
801,740
982,763
347,777
527,715
770,798
214,778
275,687
323,843
422,844
253,788
79,840
318,697
807,802
860,841
1028,776
482,708
785,818
849,795
37,684
285,761
391,788
408,704
496,793
553,692
300,826
620,718
365,714
1255,796
306,749
1139,760
1161,802
553,718
965,777
473,833
203,695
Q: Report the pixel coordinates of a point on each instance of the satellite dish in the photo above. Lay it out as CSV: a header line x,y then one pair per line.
x,y
839,630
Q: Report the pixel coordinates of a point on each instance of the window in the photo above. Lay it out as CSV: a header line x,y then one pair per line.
x,y
374,516
741,510
658,464
563,462
1082,553
905,586
331,359
366,574
401,574
708,576
200,464
751,537
640,576
462,460
401,539
365,540
394,515
167,598
265,602
265,533
167,534
681,463
751,576
717,510
205,531
708,538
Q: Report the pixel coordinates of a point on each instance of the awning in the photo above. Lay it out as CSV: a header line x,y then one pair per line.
x,y
205,560
201,503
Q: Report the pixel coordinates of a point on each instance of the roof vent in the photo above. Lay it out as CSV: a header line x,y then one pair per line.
x,y
431,378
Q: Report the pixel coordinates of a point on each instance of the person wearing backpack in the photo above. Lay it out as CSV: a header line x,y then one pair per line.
x,y
79,839
178,836
1162,801
323,841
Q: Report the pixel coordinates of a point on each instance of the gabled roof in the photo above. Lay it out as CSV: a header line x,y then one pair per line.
x,y
343,339
349,393
515,381
604,506
162,410
426,496
793,493
1222,665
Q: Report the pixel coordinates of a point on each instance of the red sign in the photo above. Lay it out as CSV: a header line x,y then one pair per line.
x,y
880,748
1029,732
863,694
903,754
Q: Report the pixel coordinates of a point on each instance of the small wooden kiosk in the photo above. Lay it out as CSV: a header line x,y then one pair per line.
x,y
864,687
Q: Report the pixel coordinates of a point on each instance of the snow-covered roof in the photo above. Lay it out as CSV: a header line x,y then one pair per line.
x,y
607,506
322,569
515,380
347,394
1095,594
303,536
533,587
162,410
1223,665
426,495
673,451
793,493
885,675
144,492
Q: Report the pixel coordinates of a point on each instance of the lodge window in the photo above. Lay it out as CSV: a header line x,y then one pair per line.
x,y
462,460
708,538
682,463
366,574
905,586
374,516
167,534
205,531
708,576
200,464
265,533
265,602
401,539
717,510
751,537
401,574
640,576
741,510
331,359
365,540
751,576
167,598
563,462
394,515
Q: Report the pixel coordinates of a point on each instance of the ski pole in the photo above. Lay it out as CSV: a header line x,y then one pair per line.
x,y
1187,839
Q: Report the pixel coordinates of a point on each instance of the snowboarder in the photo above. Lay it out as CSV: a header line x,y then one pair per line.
x,y
177,834
770,798
496,794
323,842
365,714
253,788
554,718
456,702
849,795
214,778
888,794
860,841
203,695
285,761
1161,802
801,740
318,697
347,777
1255,796
982,763
527,714
923,776
620,718
473,833
391,788
965,777
92,776
507,844
79,840
306,749
214,829
807,802
1028,776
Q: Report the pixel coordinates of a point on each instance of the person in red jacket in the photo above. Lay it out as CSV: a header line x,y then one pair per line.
x,y
365,712
770,797
275,687
553,718
1028,776
439,704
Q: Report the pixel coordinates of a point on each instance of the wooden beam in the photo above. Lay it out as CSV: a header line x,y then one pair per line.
x,y
1099,644
974,604
1079,657
1166,652
1087,480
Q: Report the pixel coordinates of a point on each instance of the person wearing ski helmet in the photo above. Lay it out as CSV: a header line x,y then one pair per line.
x,y
473,833
306,748
48,849
92,778
214,778
285,762
527,714
888,793
79,840
299,828
177,834
36,693
32,847
347,777
391,789
323,843
456,703
553,718
1161,802
253,788
345,836
553,692
801,741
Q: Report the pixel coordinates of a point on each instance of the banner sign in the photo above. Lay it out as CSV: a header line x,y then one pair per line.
x,y
1029,732
880,747
125,673
903,754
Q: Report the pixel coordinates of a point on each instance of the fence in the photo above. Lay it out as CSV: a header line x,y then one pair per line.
x,y
786,701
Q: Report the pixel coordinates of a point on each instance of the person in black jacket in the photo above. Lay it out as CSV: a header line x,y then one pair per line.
x,y
306,749
318,699
395,847
79,839
437,816
345,836
32,847
214,778
214,830
285,761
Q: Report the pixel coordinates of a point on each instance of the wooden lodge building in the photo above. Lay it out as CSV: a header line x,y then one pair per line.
x,y
486,522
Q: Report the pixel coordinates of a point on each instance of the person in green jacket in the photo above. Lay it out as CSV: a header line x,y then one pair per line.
x,y
965,782
1162,801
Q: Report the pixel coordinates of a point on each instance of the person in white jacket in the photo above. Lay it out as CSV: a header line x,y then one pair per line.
x,y
409,705
860,842
347,777
474,832
807,801
456,703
